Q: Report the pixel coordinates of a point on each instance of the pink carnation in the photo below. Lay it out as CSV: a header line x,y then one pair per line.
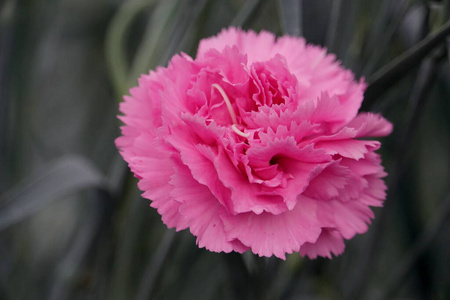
x,y
255,145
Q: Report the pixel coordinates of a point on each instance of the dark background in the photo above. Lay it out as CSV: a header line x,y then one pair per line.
x,y
72,223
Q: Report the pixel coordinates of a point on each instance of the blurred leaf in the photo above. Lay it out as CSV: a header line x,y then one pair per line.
x,y
115,41
347,28
69,266
446,8
394,71
8,17
383,31
127,241
184,35
406,263
154,267
333,25
159,25
247,11
448,48
53,180
291,16
418,98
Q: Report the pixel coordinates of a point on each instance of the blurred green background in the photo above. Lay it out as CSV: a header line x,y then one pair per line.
x,y
72,222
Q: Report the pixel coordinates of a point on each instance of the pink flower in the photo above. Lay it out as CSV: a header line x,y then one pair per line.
x,y
255,145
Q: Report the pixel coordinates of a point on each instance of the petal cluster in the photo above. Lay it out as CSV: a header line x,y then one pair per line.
x,y
256,144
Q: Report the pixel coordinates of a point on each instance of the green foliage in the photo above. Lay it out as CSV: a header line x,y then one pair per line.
x,y
72,222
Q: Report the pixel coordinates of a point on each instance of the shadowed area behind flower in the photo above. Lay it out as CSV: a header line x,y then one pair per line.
x,y
253,145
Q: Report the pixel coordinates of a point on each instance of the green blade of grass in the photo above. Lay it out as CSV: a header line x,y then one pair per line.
x,y
333,22
67,272
394,71
53,180
154,267
291,16
146,55
246,13
406,263
417,101
115,41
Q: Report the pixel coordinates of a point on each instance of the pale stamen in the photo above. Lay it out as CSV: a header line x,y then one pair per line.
x,y
230,110
235,129
227,101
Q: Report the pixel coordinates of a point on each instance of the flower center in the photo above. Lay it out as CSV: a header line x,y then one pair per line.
x,y
230,110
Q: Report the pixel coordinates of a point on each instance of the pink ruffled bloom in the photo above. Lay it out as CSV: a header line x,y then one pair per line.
x,y
255,145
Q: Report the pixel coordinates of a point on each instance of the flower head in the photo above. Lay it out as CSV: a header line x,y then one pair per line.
x,y
255,145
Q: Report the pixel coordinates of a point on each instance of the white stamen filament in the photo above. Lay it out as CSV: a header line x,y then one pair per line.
x,y
230,110
235,129
227,101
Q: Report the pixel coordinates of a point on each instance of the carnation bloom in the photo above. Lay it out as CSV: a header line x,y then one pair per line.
x,y
256,145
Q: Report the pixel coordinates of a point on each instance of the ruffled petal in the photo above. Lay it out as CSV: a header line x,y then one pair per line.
x,y
199,158
246,196
355,149
371,125
329,182
154,171
318,71
350,218
201,211
258,47
268,234
329,242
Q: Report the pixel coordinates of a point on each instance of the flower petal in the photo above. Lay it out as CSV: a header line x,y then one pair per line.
x,y
201,211
371,125
268,234
329,242
258,47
